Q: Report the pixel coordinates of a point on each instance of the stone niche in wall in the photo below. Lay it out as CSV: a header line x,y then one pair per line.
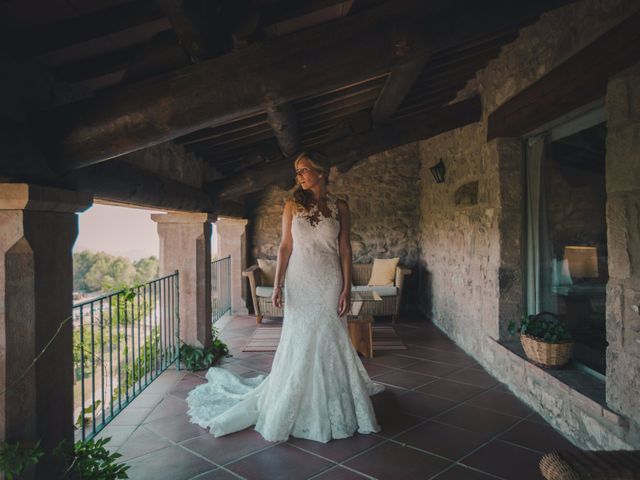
x,y
466,195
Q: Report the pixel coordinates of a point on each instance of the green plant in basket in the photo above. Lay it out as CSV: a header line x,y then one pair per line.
x,y
544,326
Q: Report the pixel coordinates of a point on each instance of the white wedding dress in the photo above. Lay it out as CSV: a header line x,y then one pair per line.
x,y
317,388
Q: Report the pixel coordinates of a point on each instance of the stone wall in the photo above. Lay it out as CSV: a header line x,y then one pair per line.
x,y
460,238
623,221
471,232
382,191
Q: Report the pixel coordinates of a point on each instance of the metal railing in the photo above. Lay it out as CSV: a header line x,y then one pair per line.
x,y
220,288
121,342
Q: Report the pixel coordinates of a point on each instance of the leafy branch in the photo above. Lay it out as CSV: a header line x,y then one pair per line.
x,y
16,458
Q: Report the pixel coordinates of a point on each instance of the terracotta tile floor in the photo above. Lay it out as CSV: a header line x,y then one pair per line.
x,y
442,417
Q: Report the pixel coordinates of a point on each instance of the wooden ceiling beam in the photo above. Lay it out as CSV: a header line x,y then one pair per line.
x,y
284,69
123,182
399,133
283,122
398,84
339,108
287,9
221,131
321,106
86,69
41,40
344,91
160,54
353,146
138,116
577,81
189,34
238,143
230,137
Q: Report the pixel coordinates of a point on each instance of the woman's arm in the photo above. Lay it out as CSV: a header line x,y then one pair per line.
x,y
344,246
284,252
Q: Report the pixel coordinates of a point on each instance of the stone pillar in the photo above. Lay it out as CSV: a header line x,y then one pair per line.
x,y
232,241
623,239
185,246
510,200
38,227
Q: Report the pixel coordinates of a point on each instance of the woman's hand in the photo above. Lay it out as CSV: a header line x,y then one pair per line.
x,y
276,297
344,302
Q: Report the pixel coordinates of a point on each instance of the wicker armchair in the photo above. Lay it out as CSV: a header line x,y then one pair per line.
x,y
391,296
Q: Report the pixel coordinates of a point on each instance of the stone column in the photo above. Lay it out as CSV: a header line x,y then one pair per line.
x,y
510,201
185,246
623,239
232,241
38,227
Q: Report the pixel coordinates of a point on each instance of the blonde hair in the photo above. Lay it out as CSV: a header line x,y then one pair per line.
x,y
304,198
311,159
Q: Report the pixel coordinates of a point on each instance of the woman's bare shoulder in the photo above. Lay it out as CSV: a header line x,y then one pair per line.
x,y
290,205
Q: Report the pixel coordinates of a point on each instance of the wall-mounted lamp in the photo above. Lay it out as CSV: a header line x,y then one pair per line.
x,y
438,172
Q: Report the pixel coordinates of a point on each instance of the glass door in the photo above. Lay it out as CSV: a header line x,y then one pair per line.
x,y
566,260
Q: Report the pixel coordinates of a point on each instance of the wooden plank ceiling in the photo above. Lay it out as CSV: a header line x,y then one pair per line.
x,y
111,53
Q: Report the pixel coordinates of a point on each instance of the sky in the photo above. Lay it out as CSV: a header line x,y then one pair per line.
x,y
121,231
127,232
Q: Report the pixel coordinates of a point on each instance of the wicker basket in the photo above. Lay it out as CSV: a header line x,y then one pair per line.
x,y
546,354
592,465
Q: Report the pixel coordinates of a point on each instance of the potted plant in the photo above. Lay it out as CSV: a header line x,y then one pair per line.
x,y
545,339
196,358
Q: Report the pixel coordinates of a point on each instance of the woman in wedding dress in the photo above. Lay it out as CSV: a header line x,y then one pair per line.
x,y
318,388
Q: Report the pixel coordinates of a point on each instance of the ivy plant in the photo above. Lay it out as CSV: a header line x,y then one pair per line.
x,y
198,358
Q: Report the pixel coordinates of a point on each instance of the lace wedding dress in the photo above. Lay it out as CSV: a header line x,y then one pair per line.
x,y
317,388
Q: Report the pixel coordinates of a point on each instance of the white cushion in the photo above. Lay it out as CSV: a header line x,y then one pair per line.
x,y
264,292
383,291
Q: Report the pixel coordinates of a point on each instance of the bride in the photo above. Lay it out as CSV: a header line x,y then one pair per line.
x,y
317,388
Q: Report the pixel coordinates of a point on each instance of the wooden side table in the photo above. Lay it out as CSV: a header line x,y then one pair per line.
x,y
361,334
360,325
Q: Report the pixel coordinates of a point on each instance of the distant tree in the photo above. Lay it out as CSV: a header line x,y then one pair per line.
x,y
99,274
146,269
82,263
99,271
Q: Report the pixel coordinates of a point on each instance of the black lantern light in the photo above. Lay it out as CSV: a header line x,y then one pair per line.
x,y
438,172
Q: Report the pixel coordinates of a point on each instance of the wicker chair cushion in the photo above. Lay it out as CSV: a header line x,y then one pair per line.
x,y
382,291
601,465
265,292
